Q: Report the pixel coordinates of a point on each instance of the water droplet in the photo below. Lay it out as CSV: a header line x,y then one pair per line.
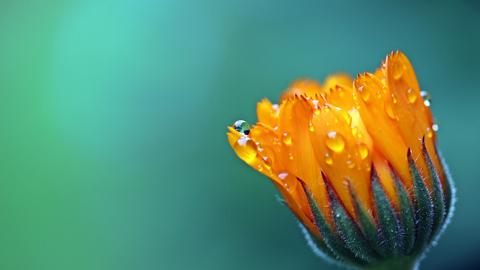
x,y
354,131
282,175
346,116
328,159
411,95
350,164
427,99
311,128
335,142
364,93
287,139
398,70
276,141
242,126
435,127
389,111
394,98
362,151
259,167
290,156
275,107
429,132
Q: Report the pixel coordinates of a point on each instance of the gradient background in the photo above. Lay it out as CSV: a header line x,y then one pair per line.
x,y
113,115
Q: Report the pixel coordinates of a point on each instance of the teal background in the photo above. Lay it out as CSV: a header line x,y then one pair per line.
x,y
113,115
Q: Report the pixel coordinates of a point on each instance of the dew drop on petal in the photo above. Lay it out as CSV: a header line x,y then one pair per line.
x,y
398,70
287,139
435,127
389,111
362,151
350,163
364,93
242,126
328,159
311,128
346,116
354,131
427,99
411,95
335,142
259,167
282,175
394,98
429,132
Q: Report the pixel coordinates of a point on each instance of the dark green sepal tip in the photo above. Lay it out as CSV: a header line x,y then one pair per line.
x,y
346,227
390,234
437,196
423,206
366,222
407,221
329,236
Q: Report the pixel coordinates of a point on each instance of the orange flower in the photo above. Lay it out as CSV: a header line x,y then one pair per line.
x,y
338,142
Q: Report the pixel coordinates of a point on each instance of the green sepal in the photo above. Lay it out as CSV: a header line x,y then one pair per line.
x,y
405,213
438,197
348,229
329,237
317,245
366,222
389,226
423,207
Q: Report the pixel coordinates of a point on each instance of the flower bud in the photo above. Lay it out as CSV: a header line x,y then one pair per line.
x,y
356,162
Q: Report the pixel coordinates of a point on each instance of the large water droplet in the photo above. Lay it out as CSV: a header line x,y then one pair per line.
x,y
411,95
427,99
335,142
242,126
362,151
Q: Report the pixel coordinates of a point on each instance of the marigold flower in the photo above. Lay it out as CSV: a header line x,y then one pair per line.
x,y
356,162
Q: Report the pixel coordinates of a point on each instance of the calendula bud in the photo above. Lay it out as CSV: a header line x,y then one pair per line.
x,y
356,162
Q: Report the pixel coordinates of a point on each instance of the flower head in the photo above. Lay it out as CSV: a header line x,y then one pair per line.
x,y
355,161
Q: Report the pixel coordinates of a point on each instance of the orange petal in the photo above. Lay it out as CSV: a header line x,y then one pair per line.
x,y
308,88
267,113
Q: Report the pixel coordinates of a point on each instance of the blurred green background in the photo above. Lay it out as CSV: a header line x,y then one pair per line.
x,y
113,117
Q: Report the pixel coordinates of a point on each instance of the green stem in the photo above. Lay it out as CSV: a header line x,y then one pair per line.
x,y
402,263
